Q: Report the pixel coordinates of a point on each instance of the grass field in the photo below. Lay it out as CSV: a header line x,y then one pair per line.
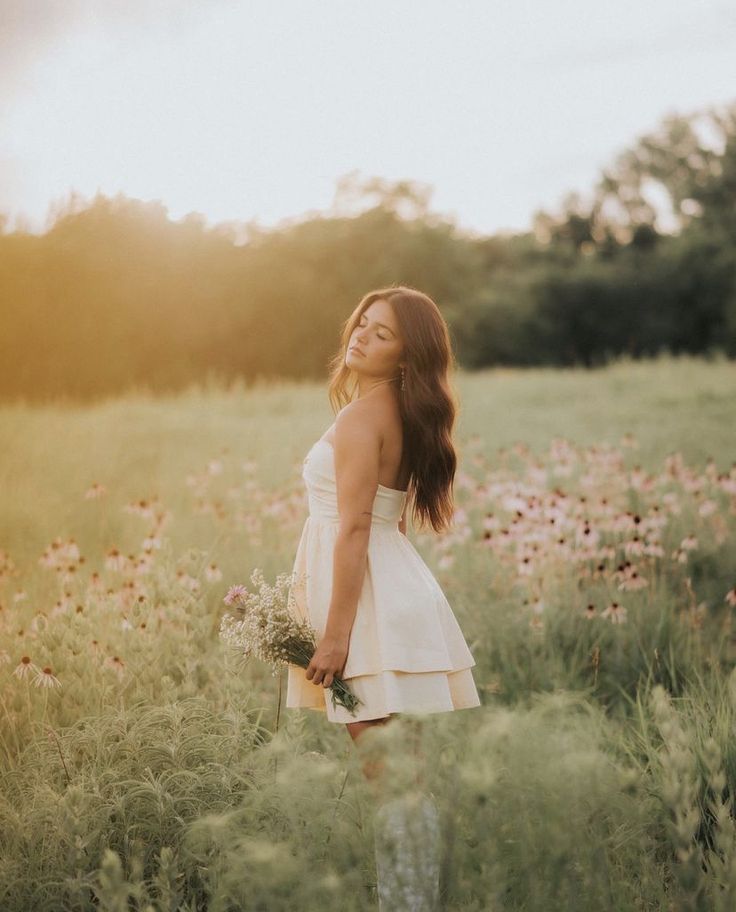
x,y
592,568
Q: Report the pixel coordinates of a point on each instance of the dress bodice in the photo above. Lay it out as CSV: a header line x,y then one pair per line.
x,y
318,473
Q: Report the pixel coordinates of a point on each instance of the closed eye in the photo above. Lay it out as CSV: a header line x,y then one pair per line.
x,y
385,338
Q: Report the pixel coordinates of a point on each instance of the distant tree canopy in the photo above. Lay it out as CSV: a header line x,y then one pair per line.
x,y
115,294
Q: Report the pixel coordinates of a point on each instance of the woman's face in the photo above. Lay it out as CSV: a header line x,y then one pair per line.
x,y
376,346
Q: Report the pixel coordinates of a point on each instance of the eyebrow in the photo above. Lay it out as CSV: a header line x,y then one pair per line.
x,y
378,324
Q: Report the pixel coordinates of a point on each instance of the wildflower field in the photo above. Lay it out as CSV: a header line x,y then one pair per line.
x,y
592,568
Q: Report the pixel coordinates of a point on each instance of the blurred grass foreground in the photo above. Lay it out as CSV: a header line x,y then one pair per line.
x,y
591,566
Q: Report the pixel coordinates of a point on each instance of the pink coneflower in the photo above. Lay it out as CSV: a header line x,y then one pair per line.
x,y
7,567
25,667
731,597
95,490
616,612
653,549
589,612
634,547
117,665
46,678
96,583
144,563
629,578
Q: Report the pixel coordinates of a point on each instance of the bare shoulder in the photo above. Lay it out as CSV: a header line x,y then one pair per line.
x,y
367,420
359,423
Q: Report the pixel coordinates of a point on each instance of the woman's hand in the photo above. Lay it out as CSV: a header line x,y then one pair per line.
x,y
328,660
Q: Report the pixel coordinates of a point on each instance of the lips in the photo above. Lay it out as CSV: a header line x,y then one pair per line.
x,y
356,350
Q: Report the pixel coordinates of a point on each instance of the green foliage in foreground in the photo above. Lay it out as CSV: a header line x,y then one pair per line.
x,y
162,775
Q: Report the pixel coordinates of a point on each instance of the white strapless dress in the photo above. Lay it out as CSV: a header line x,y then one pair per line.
x,y
407,653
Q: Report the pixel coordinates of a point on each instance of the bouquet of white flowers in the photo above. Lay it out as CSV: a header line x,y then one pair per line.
x,y
261,624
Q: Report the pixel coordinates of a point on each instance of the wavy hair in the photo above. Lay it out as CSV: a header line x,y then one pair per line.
x,y
428,404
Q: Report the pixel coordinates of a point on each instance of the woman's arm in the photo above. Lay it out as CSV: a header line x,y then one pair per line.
x,y
357,461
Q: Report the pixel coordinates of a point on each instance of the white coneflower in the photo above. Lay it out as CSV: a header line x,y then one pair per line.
x,y
45,678
115,560
39,622
142,507
188,582
25,667
538,606
212,573
525,565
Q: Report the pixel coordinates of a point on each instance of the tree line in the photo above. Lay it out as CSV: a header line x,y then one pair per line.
x,y
114,294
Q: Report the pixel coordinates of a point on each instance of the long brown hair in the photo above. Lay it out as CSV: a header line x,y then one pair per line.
x,y
428,403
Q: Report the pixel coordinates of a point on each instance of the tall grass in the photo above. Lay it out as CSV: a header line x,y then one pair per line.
x,y
592,570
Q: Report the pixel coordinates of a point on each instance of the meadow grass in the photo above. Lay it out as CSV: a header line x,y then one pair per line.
x,y
591,566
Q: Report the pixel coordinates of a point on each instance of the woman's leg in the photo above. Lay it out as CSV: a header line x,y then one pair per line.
x,y
372,769
407,832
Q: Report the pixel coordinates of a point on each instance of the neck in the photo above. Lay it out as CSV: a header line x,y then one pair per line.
x,y
367,385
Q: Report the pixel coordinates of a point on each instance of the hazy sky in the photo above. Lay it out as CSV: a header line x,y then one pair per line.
x,y
253,110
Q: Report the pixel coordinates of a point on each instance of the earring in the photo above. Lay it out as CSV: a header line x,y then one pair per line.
x,y
403,385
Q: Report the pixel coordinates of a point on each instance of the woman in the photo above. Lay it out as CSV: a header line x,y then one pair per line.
x,y
383,622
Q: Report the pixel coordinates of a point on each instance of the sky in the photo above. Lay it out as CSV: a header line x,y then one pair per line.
x,y
252,111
